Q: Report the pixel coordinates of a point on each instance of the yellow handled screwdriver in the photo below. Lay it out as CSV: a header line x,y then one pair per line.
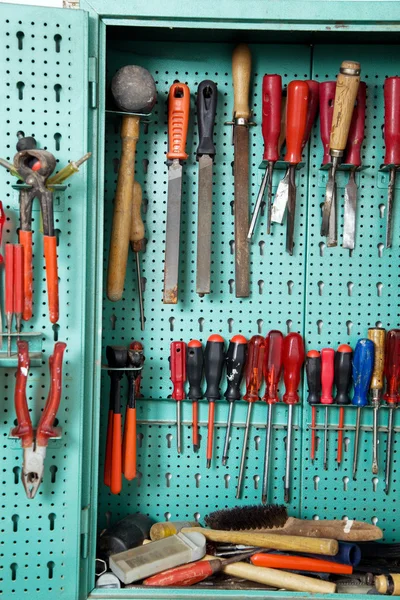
x,y
377,335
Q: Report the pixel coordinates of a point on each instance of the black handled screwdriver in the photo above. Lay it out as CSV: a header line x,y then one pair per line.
x,y
235,362
313,372
194,373
214,356
343,381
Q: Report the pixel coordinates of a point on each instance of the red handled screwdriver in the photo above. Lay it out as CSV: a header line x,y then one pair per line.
x,y
391,132
214,357
327,377
195,367
9,291
273,365
313,372
271,129
235,362
392,397
293,358
343,381
254,374
296,114
177,364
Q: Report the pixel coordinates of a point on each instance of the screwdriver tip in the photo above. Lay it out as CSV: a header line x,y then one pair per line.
x,y
264,499
375,469
325,466
286,496
224,461
179,449
208,463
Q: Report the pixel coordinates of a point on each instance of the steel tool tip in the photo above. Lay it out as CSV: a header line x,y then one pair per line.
x,y
208,463
195,448
224,461
286,496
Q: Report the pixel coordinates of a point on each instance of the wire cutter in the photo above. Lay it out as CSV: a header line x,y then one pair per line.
x,y
34,167
35,445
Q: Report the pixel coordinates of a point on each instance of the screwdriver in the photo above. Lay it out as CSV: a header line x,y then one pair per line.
x,y
293,358
313,372
194,367
271,129
135,364
377,336
347,83
273,364
391,131
343,381
353,157
363,364
235,362
214,357
392,376
177,365
137,241
254,373
297,102
9,291
327,376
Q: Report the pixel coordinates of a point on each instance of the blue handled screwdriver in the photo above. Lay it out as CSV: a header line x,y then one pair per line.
x,y
363,366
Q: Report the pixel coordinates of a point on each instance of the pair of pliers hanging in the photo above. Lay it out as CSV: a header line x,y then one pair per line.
x,y
34,446
34,167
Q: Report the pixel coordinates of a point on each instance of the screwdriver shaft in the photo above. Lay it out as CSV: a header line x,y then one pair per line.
x,y
326,440
313,432
178,426
269,205
356,440
244,447
389,451
258,204
264,498
340,436
375,467
140,290
391,187
288,453
291,210
227,435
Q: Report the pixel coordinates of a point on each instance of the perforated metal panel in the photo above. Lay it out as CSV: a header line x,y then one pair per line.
x,y
43,91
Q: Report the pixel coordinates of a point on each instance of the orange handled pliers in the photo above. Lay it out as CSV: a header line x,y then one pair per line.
x,y
35,446
34,167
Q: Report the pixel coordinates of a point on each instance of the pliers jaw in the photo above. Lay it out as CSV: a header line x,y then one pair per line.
x,y
32,469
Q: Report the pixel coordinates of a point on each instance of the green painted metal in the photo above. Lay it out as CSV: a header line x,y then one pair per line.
x,y
42,49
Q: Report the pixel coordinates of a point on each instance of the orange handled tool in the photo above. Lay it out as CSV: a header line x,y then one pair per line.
x,y
177,363
299,563
117,360
18,285
327,376
9,291
195,367
50,256
214,357
178,120
135,365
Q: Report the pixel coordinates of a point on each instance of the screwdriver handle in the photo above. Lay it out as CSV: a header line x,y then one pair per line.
x,y
185,575
241,72
296,117
363,364
50,257
343,374
178,120
207,95
313,373
18,279
391,93
273,365
347,83
194,367
2,221
137,226
327,375
235,364
377,336
326,102
9,278
293,358
214,356
392,366
312,109
271,115
254,368
25,238
356,132
177,364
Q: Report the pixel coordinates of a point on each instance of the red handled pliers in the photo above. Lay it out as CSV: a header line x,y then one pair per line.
x,y
35,446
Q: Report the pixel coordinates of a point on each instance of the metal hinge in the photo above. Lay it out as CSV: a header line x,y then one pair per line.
x,y
92,82
85,514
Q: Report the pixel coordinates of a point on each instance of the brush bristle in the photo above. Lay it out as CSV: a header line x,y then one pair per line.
x,y
248,517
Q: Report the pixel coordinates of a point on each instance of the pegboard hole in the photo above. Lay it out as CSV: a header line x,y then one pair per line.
x,y
20,38
13,568
15,519
57,39
20,88
260,324
52,519
57,89
50,567
53,470
57,139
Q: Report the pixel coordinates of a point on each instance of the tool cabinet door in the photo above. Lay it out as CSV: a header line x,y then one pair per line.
x,y
44,93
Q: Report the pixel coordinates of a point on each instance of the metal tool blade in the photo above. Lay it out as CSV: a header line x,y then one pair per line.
x,y
281,200
257,206
140,290
204,218
329,193
391,185
331,240
241,208
350,207
291,210
171,266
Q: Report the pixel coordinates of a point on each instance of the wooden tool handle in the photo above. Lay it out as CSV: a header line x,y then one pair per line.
x,y
278,579
345,531
241,71
377,335
137,225
347,84
270,540
388,584
121,226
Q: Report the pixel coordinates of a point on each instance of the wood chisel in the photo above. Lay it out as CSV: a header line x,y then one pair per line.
x,y
391,133
241,71
377,336
206,108
353,157
345,95
271,129
178,120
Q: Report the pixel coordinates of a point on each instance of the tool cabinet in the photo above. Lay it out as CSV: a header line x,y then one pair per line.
x,y
55,70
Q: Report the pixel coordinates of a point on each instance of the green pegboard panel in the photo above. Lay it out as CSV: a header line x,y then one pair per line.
x,y
43,91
